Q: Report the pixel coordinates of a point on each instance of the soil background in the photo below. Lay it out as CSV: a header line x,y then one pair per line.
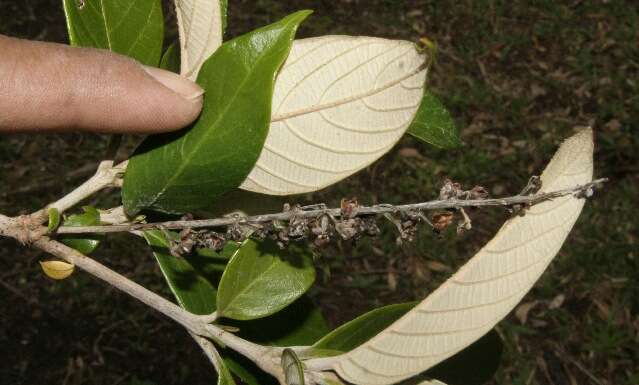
x,y
518,76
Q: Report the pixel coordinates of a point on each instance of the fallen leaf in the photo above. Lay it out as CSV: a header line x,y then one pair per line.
x,y
57,270
437,266
409,152
557,302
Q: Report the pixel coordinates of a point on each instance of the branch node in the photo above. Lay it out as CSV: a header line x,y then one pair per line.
x,y
28,229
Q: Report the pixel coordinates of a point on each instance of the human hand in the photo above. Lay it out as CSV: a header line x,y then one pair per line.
x,y
49,87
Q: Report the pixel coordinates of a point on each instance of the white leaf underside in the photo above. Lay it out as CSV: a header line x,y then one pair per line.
x,y
200,28
340,103
485,289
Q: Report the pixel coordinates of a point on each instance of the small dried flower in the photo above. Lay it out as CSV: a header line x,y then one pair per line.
x,y
349,208
441,221
347,229
449,190
478,193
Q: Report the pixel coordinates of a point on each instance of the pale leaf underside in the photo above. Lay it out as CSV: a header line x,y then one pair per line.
x,y
340,103
484,290
200,28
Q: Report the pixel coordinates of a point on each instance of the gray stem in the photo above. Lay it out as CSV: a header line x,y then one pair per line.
x,y
336,212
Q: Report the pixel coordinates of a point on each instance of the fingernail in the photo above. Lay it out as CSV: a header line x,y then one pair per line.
x,y
176,83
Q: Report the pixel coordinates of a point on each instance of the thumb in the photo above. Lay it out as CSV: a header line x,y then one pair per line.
x,y
54,87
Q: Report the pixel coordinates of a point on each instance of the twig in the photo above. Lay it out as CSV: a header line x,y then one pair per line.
x,y
106,175
528,200
209,350
120,282
209,318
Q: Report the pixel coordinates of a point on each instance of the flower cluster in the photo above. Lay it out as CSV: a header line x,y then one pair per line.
x,y
320,225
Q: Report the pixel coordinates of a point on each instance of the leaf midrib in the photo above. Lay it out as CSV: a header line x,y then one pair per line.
x,y
346,100
251,284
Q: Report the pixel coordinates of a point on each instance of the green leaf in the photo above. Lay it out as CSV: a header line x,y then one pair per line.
x,y
132,28
86,243
54,219
246,370
354,333
261,279
300,324
433,123
187,171
194,292
224,376
171,58
475,365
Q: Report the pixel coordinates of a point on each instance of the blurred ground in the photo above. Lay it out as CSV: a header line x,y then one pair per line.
x,y
518,77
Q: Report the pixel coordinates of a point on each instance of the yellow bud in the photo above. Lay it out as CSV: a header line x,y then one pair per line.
x,y
57,269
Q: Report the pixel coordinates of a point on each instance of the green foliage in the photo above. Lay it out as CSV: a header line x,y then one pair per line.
x,y
247,372
193,290
187,171
224,376
132,28
54,219
361,329
261,279
85,243
299,324
433,123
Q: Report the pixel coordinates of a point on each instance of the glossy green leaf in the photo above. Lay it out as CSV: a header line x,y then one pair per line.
x,y
300,324
130,27
210,263
475,365
187,171
192,290
433,123
85,243
54,219
354,333
261,279
171,58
